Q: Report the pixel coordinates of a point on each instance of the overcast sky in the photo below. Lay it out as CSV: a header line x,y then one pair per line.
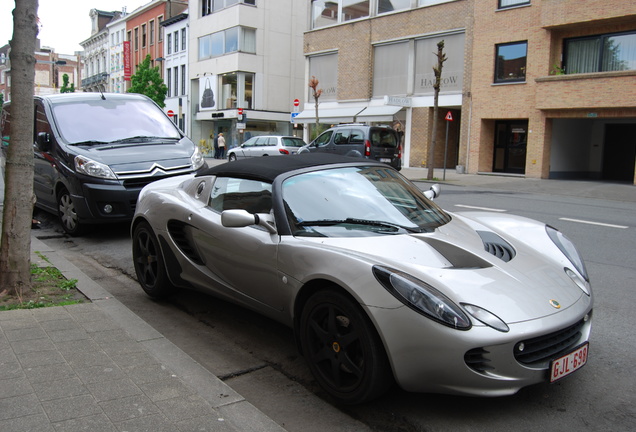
x,y
63,23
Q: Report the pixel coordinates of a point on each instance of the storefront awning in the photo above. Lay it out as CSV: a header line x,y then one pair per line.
x,y
332,115
378,113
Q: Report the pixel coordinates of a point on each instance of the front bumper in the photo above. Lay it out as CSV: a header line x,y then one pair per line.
x,y
436,361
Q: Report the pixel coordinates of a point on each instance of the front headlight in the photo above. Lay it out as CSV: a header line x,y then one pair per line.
x,y
569,250
197,158
93,168
422,298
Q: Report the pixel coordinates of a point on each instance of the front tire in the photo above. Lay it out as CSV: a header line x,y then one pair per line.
x,y
149,263
343,349
232,157
67,213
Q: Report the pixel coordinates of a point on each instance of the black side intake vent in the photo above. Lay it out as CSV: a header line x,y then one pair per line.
x,y
181,234
495,245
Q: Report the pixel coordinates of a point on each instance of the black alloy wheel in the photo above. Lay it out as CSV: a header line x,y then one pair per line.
x,y
343,349
149,263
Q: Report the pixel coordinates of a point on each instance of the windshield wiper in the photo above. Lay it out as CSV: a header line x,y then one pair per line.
x,y
143,138
89,143
354,221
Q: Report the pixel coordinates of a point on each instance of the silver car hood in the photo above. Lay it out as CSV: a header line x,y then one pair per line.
x,y
453,260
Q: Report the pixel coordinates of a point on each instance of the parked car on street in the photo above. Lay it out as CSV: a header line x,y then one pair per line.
x,y
379,284
266,145
379,143
94,152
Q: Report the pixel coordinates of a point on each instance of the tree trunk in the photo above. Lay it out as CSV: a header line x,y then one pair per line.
x,y
15,250
441,58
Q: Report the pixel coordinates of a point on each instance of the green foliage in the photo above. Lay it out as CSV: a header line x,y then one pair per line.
x,y
147,81
65,87
1,99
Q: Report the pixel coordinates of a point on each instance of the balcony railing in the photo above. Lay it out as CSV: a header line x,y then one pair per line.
x,y
100,78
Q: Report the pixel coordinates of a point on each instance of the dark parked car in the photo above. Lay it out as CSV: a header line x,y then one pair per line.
x,y
95,152
380,143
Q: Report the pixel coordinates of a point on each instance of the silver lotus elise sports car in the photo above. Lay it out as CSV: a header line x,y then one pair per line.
x,y
379,284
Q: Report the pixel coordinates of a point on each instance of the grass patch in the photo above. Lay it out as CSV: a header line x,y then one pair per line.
x,y
49,288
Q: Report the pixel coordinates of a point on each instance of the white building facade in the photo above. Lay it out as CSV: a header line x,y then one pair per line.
x,y
117,36
175,65
246,67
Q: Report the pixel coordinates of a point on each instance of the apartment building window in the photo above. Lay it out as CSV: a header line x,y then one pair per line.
x,y
354,10
176,41
143,35
237,90
183,39
211,6
160,33
325,68
510,3
600,53
169,43
169,82
234,39
390,77
510,62
176,81
151,24
137,39
183,79
393,5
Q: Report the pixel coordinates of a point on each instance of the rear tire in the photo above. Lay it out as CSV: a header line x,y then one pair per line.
x,y
149,263
343,350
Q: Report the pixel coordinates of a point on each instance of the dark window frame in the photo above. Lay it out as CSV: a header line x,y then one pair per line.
x,y
602,50
518,3
499,65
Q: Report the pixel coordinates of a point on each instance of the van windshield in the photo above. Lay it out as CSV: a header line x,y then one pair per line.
x,y
111,120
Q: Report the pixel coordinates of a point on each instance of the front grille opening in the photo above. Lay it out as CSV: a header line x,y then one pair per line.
x,y
545,348
477,359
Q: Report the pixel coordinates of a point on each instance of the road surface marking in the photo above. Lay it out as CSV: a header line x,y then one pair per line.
x,y
480,208
594,223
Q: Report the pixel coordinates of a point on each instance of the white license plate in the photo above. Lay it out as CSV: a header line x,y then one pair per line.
x,y
569,363
385,160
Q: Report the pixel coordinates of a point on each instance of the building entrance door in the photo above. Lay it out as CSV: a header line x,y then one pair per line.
x,y
619,152
511,139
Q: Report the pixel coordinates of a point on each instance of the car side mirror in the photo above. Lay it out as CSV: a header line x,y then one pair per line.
x,y
43,141
433,192
243,218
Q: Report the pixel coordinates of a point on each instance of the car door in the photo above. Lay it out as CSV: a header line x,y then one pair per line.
x,y
245,149
45,170
349,142
323,143
243,259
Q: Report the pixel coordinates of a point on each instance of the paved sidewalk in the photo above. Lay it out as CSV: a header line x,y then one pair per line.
x,y
98,367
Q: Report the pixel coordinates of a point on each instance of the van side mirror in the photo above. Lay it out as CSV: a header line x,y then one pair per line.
x,y
43,141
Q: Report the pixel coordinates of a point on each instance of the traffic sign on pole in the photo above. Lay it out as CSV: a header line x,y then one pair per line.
x,y
449,116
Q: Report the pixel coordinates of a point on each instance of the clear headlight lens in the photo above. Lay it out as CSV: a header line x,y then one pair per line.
x,y
197,158
566,246
486,317
93,168
422,298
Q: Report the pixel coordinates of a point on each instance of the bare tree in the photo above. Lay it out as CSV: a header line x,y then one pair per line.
x,y
316,92
441,58
15,251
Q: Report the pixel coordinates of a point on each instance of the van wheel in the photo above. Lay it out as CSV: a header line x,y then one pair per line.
x,y
67,214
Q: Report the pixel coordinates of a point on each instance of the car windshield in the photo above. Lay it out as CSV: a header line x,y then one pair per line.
x,y
293,142
357,201
105,121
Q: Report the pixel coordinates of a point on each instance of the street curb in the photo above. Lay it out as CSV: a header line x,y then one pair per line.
x,y
232,406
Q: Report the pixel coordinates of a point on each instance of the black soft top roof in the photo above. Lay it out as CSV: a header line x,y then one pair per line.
x,y
268,168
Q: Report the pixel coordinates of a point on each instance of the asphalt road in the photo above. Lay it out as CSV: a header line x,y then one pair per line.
x,y
257,356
